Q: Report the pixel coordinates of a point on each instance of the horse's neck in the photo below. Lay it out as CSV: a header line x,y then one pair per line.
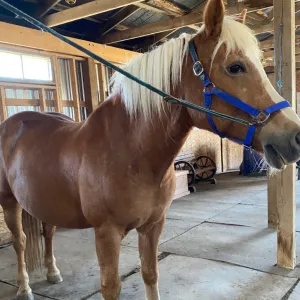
x,y
161,139
153,144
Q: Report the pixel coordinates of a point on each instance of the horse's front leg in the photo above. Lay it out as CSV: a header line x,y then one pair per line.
x,y
148,247
108,244
53,274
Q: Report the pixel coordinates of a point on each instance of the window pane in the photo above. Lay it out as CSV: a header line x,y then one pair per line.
x,y
69,111
37,68
80,84
10,65
31,94
65,79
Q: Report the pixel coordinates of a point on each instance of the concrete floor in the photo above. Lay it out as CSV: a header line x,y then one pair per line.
x,y
215,246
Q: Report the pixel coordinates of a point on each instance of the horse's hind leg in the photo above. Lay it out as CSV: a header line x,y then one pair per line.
x,y
53,274
148,248
13,219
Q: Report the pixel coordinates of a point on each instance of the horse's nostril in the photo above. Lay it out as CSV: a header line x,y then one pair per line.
x,y
297,138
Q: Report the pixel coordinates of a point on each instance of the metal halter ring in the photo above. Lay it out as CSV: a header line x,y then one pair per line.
x,y
209,87
198,68
261,118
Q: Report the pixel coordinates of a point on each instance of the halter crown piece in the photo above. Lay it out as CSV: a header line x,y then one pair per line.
x,y
259,117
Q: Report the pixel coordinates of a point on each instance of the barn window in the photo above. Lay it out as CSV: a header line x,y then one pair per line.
x,y
25,67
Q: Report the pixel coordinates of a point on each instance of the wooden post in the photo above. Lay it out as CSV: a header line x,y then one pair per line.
x,y
101,79
57,92
90,85
273,194
3,111
75,90
43,105
281,188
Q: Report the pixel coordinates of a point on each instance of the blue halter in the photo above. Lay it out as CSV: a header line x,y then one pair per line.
x,y
259,117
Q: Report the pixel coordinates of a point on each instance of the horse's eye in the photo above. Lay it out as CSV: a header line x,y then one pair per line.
x,y
236,68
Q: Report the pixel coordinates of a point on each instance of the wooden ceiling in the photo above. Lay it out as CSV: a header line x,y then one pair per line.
x,y
139,25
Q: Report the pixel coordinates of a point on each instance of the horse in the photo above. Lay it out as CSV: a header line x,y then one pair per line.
x,y
114,171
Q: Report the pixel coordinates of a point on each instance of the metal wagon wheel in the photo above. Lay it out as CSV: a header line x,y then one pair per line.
x,y
185,166
207,165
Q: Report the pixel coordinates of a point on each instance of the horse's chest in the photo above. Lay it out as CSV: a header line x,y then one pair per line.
x,y
129,207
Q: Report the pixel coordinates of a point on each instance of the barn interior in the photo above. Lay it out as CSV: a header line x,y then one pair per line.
x,y
233,232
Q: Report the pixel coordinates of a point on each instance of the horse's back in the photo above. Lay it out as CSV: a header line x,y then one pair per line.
x,y
37,152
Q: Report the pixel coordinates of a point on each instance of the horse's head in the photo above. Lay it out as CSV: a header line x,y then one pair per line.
x,y
230,55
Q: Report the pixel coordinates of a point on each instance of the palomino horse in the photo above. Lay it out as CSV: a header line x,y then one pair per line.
x,y
114,172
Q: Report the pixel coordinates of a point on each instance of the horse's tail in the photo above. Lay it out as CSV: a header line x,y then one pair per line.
x,y
33,251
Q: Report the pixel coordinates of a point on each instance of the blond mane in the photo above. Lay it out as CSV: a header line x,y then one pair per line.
x,y
162,67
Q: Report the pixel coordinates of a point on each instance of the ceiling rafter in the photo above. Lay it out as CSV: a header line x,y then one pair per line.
x,y
85,10
167,5
269,43
45,6
118,18
162,26
166,8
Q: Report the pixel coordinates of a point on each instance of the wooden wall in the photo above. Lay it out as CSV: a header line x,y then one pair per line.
x,y
226,154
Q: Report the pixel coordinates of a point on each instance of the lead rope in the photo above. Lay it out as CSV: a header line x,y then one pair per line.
x,y
167,97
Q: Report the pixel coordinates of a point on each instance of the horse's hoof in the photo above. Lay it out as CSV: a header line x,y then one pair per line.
x,y
28,296
54,278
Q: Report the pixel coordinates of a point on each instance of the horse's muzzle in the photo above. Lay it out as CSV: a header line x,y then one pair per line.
x,y
282,150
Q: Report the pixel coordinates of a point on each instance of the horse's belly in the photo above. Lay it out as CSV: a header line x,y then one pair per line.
x,y
51,205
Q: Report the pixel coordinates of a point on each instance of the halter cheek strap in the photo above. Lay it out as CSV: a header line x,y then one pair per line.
x,y
259,117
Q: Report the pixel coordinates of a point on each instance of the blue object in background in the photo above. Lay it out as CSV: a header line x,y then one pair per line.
x,y
251,163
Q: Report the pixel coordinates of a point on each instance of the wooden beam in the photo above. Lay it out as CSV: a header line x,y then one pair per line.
x,y
166,8
57,92
270,27
42,103
118,18
192,18
269,68
155,39
153,8
169,6
269,43
45,6
90,85
18,35
281,187
85,10
270,54
3,110
101,81
74,87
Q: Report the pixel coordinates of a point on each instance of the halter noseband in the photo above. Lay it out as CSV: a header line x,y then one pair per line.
x,y
259,117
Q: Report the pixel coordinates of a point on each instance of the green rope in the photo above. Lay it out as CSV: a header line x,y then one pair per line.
x,y
166,97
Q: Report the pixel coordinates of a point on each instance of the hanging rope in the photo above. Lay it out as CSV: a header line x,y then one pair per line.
x,y
279,81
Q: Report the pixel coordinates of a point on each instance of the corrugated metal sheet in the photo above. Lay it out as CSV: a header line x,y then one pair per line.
x,y
142,17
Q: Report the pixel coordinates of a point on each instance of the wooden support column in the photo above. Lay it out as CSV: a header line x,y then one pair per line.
x,y
75,90
90,85
3,111
43,105
57,92
101,79
281,188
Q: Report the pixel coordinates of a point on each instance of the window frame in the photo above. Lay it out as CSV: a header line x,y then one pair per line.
x,y
29,81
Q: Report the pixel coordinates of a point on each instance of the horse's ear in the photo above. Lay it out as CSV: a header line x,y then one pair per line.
x,y
242,16
213,17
